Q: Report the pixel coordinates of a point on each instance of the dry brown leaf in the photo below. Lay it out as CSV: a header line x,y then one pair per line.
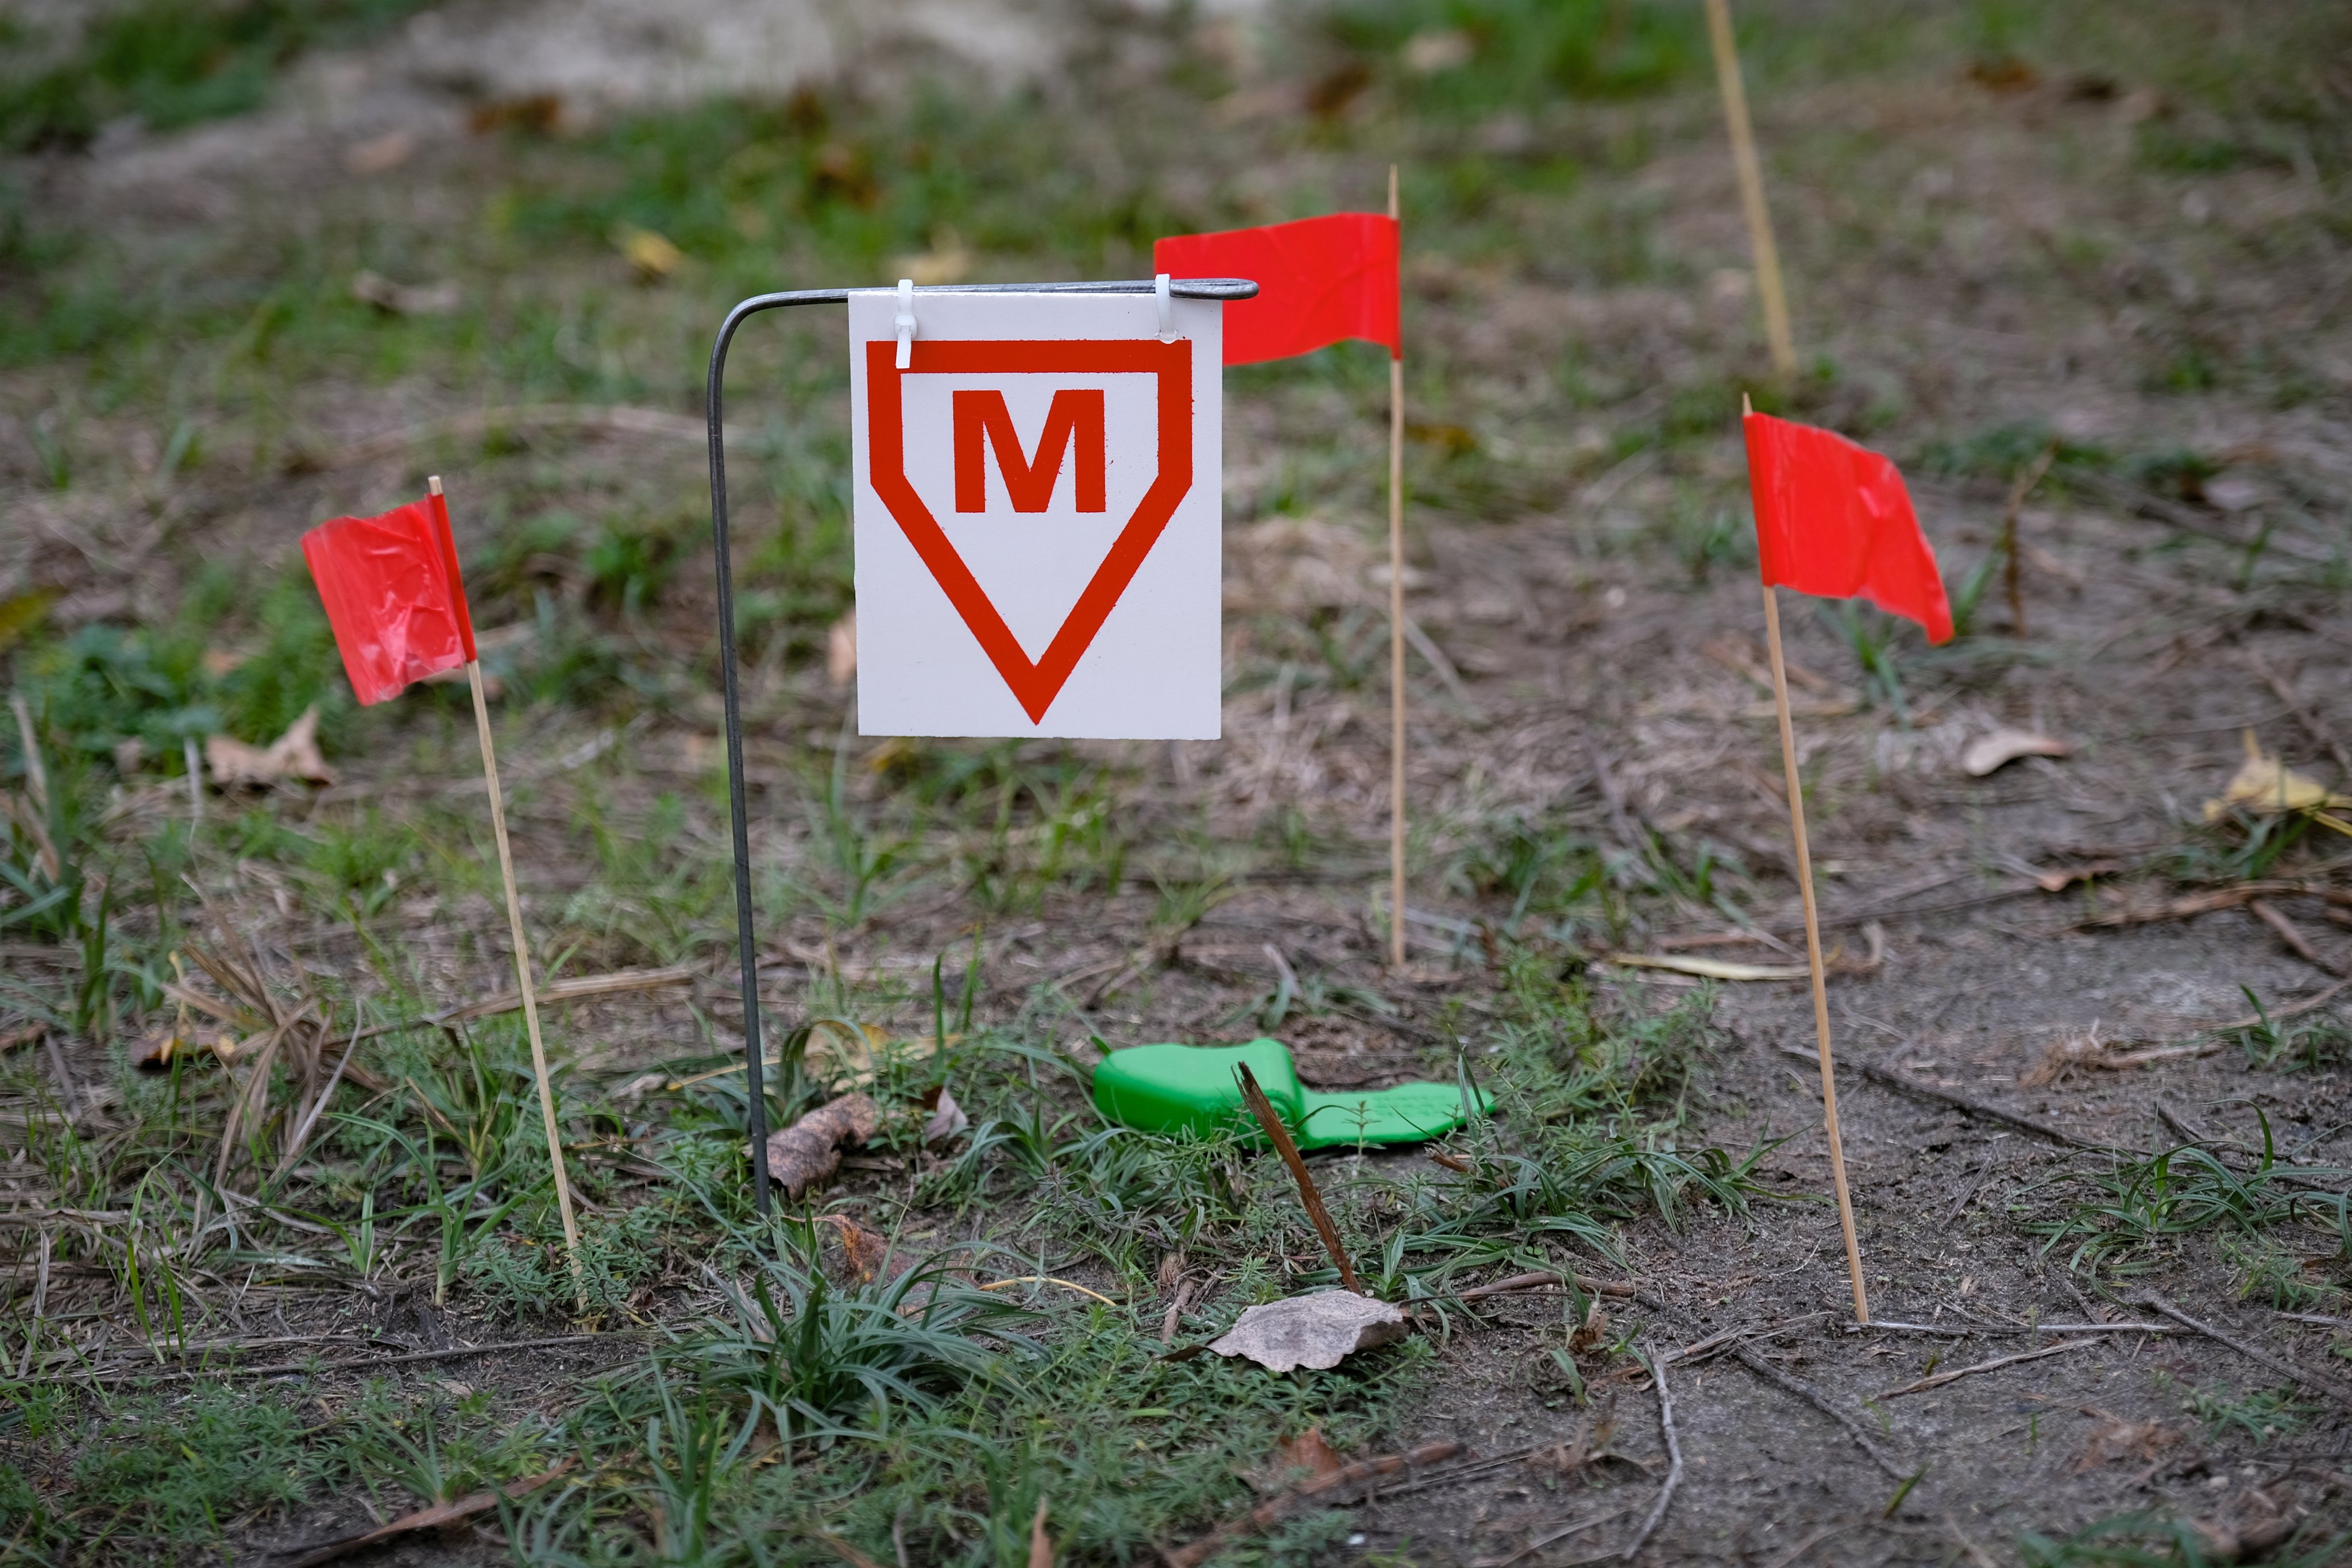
x,y
2265,785
840,651
810,1149
1988,753
652,255
949,261
292,757
947,1118
1592,1438
403,299
161,1046
1595,1329
2059,879
2061,1057
377,154
1309,1452
865,1253
1041,1548
1319,1330
2118,1438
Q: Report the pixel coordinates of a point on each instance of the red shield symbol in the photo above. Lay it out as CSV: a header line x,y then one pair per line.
x,y
1035,684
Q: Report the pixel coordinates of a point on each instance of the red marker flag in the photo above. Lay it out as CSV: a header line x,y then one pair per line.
x,y
1319,280
392,594
1833,520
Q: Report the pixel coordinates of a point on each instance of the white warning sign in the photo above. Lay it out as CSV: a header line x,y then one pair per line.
x,y
1037,515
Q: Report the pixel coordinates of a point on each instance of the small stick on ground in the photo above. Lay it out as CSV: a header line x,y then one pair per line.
x,y
1541,1278
844,1549
1273,1510
347,1365
1279,1135
2303,715
2292,934
1674,1458
438,1517
2327,1385
1941,1378
1903,1083
1175,1312
1968,1195
1821,1402
2293,1010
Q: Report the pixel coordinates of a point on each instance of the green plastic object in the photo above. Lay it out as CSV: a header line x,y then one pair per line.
x,y
1165,1088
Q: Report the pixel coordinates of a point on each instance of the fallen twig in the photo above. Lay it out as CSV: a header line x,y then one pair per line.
x,y
1950,1331
573,990
458,1354
1272,1511
1938,1379
1541,1278
2205,903
2292,934
1279,1136
433,1518
844,1549
2327,1385
1718,1342
2293,1010
2303,715
1537,1542
1674,1458
1048,1279
1809,1542
1905,1084
1821,1402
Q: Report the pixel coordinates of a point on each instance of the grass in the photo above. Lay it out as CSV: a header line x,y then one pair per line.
x,y
2147,1206
2150,1541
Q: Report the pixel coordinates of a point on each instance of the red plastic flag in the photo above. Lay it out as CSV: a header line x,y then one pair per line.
x,y
1319,280
392,594
1833,520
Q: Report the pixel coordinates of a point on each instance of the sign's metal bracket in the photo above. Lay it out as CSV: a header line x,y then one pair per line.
x,y
1221,288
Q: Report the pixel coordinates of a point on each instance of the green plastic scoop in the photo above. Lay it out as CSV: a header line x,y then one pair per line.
x,y
1162,1088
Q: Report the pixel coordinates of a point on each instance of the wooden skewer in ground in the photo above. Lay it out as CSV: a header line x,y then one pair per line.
x,y
521,948
1396,622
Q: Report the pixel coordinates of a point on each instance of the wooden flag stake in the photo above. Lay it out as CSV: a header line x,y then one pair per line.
x,y
1812,942
522,972
1396,622
1751,188
1279,1136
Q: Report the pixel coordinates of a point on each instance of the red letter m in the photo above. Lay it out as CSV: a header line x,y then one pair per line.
x,y
1075,415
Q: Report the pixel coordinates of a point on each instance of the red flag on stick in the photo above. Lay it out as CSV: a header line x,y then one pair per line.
x,y
1319,280
1833,520
394,596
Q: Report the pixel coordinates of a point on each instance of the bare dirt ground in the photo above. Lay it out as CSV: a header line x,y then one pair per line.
x,y
2093,1038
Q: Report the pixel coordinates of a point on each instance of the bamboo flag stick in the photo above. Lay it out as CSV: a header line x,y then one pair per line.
x,y
1813,946
522,972
1396,625
1751,188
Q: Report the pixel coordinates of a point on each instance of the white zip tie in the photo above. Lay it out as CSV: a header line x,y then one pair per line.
x,y
906,321
1166,307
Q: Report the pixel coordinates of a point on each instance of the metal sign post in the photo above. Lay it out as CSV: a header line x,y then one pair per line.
x,y
1220,288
